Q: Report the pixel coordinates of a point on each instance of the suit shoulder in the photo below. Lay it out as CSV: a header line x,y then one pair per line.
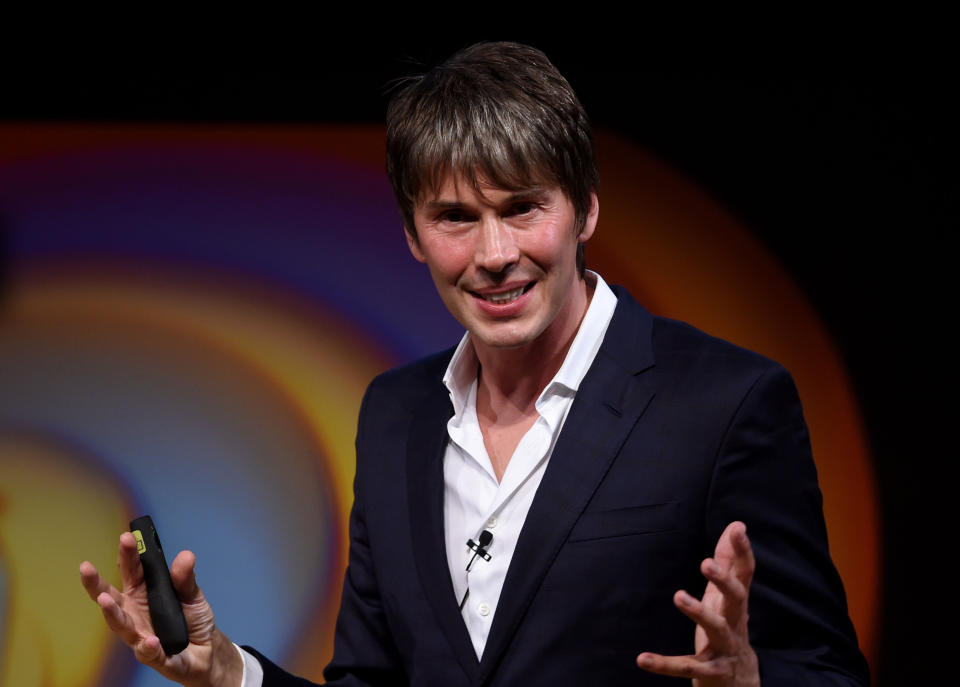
x,y
406,382
672,345
678,344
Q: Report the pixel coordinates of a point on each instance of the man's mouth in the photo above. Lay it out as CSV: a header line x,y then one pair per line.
x,y
505,297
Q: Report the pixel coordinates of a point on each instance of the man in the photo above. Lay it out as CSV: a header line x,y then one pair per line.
x,y
528,504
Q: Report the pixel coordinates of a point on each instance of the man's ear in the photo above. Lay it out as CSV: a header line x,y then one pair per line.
x,y
590,223
414,245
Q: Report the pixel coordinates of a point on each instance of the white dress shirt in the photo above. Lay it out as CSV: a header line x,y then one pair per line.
x,y
473,498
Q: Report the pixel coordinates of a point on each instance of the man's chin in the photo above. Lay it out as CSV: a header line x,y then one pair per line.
x,y
502,340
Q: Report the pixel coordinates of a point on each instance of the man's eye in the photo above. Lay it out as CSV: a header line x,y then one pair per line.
x,y
522,208
454,216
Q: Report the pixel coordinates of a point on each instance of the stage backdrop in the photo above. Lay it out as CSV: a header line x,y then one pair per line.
x,y
189,317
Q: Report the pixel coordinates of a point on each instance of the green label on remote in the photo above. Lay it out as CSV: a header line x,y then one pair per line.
x,y
141,545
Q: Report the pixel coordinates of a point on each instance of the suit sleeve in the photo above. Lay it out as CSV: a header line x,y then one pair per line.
x,y
765,476
364,652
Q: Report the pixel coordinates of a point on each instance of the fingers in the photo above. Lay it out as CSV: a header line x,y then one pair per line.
x,y
128,560
685,666
111,601
145,647
714,624
722,643
183,576
729,584
94,583
732,602
131,572
730,573
744,562
196,610
119,622
734,551
148,651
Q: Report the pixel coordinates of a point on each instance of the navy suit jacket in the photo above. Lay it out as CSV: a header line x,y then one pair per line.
x,y
672,435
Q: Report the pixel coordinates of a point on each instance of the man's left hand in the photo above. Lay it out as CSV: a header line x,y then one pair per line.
x,y
724,656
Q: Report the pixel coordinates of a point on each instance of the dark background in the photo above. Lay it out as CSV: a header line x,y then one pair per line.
x,y
845,166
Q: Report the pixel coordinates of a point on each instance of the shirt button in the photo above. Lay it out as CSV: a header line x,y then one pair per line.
x,y
484,609
492,521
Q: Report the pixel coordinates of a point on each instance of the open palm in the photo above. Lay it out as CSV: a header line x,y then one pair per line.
x,y
128,615
724,657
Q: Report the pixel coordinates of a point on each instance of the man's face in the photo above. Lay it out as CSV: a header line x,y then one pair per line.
x,y
504,262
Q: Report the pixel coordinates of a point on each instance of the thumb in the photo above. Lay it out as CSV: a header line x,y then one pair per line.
x,y
183,576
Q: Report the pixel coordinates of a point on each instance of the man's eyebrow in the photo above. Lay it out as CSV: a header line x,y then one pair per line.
x,y
443,204
523,194
526,193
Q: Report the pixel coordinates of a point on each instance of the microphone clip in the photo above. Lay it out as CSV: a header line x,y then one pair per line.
x,y
479,548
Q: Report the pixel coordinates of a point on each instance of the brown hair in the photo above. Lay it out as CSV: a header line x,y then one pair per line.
x,y
500,112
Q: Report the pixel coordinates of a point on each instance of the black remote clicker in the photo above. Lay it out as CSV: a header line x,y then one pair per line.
x,y
166,614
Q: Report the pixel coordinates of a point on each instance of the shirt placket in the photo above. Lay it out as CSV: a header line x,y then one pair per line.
x,y
504,522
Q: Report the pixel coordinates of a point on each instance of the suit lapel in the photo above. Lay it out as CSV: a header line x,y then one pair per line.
x,y
425,491
611,399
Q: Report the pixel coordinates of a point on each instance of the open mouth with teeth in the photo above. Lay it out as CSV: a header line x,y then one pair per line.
x,y
504,297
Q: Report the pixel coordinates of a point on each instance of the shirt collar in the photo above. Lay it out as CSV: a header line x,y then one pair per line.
x,y
461,373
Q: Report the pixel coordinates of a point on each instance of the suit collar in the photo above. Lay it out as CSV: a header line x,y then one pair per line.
x,y
425,447
629,339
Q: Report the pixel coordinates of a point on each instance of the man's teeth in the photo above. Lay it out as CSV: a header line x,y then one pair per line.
x,y
505,297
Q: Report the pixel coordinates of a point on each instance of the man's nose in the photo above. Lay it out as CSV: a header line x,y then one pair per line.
x,y
496,246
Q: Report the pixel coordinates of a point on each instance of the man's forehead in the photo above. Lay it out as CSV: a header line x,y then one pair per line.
x,y
457,188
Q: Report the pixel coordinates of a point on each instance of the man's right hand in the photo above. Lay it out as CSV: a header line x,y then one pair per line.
x,y
210,659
